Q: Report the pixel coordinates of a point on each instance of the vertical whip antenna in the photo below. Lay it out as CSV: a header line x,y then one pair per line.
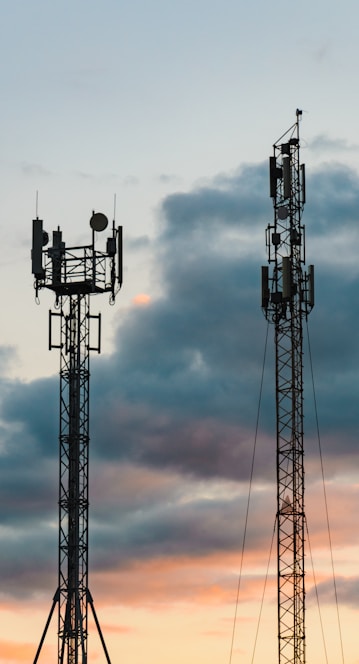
x,y
114,207
287,299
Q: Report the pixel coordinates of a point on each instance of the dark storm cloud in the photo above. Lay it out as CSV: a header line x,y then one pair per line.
x,y
333,201
346,588
193,528
203,447
176,528
27,560
240,200
27,491
8,357
197,342
180,392
191,372
190,362
335,352
33,412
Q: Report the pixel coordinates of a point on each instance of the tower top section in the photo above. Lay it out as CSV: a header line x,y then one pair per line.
x,y
288,288
292,132
77,269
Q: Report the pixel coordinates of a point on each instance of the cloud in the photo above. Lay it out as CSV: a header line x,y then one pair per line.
x,y
333,193
16,652
169,582
32,410
130,181
141,300
34,170
137,243
174,408
322,51
167,178
233,201
346,588
8,357
322,143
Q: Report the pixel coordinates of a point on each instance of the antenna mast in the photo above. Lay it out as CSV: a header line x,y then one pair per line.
x,y
74,274
287,298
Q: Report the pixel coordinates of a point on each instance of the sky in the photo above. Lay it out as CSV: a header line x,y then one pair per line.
x,y
171,110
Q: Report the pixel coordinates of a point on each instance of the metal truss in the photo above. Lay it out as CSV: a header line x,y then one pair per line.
x,y
74,274
73,477
287,297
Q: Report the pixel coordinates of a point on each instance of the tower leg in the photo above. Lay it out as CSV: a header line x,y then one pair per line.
x,y
54,602
90,601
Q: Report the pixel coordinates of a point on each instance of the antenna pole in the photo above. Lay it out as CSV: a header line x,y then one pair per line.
x,y
74,274
114,208
287,298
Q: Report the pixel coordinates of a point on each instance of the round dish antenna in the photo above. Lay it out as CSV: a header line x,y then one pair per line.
x,y
98,221
283,212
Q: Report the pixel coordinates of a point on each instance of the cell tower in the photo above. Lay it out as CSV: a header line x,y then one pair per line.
x,y
74,274
287,298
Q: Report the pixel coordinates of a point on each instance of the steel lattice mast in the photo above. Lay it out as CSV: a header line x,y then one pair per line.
x,y
287,298
74,274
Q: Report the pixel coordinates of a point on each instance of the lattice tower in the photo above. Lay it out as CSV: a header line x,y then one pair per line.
x,y
74,274
287,298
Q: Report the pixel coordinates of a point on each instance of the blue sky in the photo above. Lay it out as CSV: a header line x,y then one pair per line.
x,y
174,108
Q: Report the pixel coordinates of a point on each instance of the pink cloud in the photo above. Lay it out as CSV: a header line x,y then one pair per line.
x,y
207,580
141,300
20,652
